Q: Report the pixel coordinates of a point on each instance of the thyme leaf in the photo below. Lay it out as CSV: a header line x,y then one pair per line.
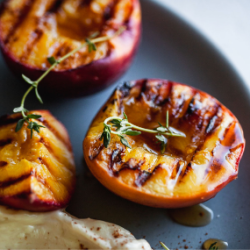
x,y
163,141
52,60
106,135
19,124
125,142
125,116
38,96
91,45
132,132
26,79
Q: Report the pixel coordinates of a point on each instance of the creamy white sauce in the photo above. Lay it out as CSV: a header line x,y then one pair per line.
x,y
59,230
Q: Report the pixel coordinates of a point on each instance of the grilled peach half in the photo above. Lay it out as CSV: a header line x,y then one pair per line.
x,y
38,173
33,30
192,169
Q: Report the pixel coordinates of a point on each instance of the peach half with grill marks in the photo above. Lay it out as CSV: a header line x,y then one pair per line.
x,y
38,173
31,31
192,169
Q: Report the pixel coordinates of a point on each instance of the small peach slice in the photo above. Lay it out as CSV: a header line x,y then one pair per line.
x,y
38,173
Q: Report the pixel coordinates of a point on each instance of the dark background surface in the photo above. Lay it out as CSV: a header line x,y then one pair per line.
x,y
170,49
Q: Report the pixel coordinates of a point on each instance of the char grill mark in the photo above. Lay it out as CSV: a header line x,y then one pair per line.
x,y
85,3
109,11
175,104
230,135
144,88
55,6
180,173
143,175
159,100
125,89
191,107
35,37
131,164
23,195
5,142
142,178
16,181
184,172
3,163
192,113
114,101
49,148
104,109
22,13
62,50
116,157
47,145
6,120
11,182
127,22
187,170
175,170
153,93
96,152
214,122
54,131
164,102
150,92
233,142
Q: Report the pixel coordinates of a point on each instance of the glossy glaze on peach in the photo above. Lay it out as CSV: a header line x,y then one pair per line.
x,y
36,174
32,31
192,170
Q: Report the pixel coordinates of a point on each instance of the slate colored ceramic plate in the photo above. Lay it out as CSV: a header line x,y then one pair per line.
x,y
173,50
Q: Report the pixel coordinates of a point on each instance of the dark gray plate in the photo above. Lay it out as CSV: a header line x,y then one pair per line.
x,y
173,50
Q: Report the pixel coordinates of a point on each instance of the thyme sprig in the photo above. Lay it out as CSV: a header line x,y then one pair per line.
x,y
163,245
213,246
123,127
32,125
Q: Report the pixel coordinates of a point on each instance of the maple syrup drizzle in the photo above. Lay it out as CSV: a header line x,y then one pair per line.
x,y
220,244
194,216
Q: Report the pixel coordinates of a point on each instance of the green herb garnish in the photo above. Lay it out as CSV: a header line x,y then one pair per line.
x,y
33,126
164,246
213,246
123,127
91,45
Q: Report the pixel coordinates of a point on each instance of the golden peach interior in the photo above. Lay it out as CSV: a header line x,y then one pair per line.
x,y
32,31
143,113
42,166
176,175
190,166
